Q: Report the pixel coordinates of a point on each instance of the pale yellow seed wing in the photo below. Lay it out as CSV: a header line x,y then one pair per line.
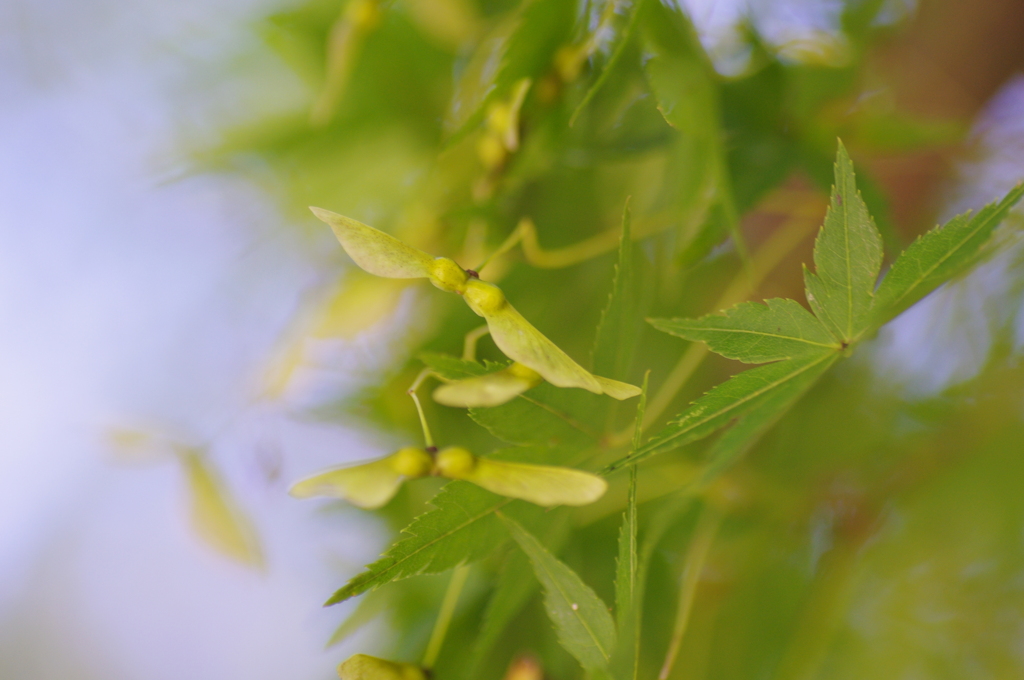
x,y
215,517
544,485
617,390
520,341
493,389
369,485
366,667
373,250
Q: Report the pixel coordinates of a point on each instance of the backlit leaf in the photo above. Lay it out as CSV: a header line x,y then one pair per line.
x,y
739,438
847,258
729,400
511,590
938,256
756,333
462,528
581,619
215,516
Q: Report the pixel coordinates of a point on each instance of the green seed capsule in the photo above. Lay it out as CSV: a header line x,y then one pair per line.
x,y
447,275
483,298
455,462
411,462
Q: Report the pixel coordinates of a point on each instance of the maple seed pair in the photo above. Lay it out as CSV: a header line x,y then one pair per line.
x,y
371,485
384,255
366,667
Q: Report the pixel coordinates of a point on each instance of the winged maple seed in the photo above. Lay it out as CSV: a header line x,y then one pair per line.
x,y
492,389
372,485
366,667
384,255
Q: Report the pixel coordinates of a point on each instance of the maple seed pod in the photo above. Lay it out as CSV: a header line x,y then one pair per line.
x,y
366,667
411,462
491,389
447,275
483,298
544,485
455,462
367,485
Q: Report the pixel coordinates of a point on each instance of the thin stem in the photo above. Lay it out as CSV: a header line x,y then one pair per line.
x,y
444,616
696,554
510,241
469,344
419,407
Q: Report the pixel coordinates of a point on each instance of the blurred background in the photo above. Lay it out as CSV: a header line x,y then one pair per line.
x,y
178,336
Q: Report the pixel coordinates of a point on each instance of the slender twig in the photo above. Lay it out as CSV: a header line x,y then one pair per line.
x,y
696,554
444,616
419,407
469,344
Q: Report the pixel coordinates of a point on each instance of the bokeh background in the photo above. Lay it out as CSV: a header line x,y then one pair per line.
x,y
156,270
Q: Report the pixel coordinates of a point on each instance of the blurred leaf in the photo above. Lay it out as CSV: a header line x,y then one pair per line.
x,y
754,333
581,619
511,593
449,22
938,256
618,329
847,257
367,609
621,32
685,84
215,516
679,71
522,45
357,19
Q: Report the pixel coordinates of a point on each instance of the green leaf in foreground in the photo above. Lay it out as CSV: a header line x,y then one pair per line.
x,y
512,591
847,258
735,441
938,256
462,528
756,333
581,618
730,400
